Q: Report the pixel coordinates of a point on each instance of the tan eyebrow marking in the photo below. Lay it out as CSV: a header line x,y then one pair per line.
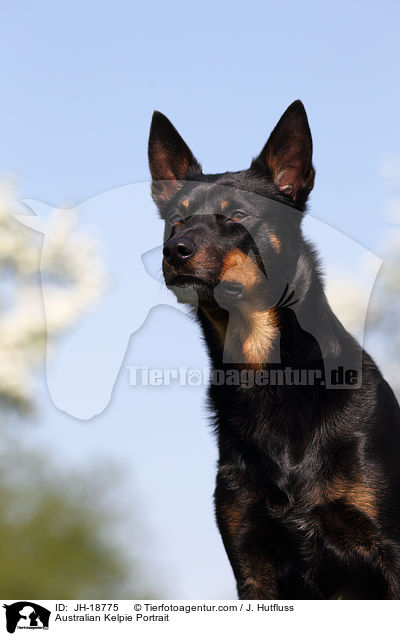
x,y
185,203
224,204
275,242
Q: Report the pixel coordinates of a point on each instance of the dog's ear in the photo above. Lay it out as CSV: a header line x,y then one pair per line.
x,y
171,160
287,155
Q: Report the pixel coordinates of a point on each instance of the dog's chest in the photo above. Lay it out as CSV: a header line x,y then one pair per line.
x,y
279,490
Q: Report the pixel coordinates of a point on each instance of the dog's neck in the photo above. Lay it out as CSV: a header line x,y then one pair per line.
x,y
300,335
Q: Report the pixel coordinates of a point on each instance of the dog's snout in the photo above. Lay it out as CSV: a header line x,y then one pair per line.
x,y
177,250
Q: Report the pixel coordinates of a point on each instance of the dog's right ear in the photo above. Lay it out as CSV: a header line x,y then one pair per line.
x,y
287,155
170,159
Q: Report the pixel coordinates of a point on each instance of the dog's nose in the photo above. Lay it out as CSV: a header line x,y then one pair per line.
x,y
177,250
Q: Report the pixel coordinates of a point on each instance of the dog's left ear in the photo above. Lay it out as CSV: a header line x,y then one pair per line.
x,y
170,159
287,155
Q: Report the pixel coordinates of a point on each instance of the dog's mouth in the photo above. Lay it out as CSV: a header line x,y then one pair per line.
x,y
186,287
190,289
186,280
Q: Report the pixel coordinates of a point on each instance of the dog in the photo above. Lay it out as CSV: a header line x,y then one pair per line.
x,y
307,494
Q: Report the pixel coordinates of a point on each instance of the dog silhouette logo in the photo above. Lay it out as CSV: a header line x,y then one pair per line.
x,y
26,615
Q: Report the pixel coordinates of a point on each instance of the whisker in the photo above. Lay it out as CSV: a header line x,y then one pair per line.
x,y
283,295
290,304
289,298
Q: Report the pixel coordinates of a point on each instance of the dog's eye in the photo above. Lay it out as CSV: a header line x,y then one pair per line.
x,y
176,219
237,216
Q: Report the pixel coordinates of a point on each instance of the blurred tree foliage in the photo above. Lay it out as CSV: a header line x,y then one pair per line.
x,y
56,532
60,532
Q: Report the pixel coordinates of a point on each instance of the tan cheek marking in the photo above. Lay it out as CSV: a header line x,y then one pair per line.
x,y
262,333
275,242
240,268
224,204
185,203
258,329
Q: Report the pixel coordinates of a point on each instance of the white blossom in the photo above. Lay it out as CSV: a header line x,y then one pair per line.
x,y
72,274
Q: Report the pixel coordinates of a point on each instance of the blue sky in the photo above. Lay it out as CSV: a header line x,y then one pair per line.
x,y
79,84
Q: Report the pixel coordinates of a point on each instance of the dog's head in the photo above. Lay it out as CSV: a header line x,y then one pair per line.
x,y
232,238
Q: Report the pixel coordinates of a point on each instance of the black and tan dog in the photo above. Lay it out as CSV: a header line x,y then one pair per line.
x,y
308,486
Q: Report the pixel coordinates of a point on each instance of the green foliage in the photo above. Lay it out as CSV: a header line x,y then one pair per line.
x,y
56,533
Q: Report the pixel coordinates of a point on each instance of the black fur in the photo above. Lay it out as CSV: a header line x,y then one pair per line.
x,y
307,494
